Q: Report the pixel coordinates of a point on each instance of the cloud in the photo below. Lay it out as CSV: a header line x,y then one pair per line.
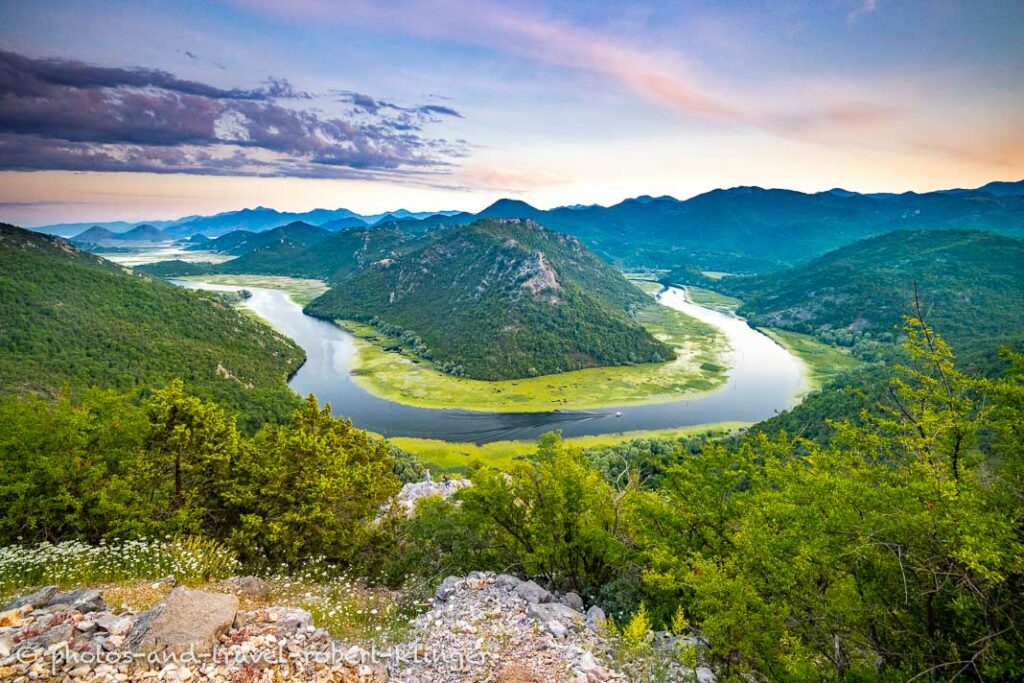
x,y
658,77
865,7
68,115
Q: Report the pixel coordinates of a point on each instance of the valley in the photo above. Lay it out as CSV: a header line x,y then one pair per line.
x,y
756,378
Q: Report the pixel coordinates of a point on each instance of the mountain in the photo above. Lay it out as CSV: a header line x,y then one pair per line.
x,y
344,223
254,220
510,208
1002,188
331,259
71,229
243,241
143,233
68,318
500,299
94,235
971,286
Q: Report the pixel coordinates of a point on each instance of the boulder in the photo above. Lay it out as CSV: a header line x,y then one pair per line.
x,y
115,624
38,599
506,581
186,620
252,586
544,612
83,600
705,675
447,588
533,593
595,618
573,599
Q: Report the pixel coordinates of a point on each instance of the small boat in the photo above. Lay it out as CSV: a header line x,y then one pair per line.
x,y
618,413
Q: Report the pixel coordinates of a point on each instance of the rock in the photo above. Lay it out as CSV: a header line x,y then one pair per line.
x,y
6,645
37,599
54,636
573,599
83,600
556,628
249,585
11,618
705,675
544,612
447,588
595,618
115,624
413,492
185,620
506,581
533,593
291,620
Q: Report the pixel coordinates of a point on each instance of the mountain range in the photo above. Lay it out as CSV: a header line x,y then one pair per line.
x,y
742,229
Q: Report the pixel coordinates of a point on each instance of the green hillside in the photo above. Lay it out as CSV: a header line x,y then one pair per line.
x,y
500,299
71,318
971,286
240,242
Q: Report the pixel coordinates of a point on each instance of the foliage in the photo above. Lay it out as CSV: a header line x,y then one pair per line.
x,y
498,300
971,285
69,318
105,465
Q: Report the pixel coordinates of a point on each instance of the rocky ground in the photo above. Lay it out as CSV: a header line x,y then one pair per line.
x,y
480,628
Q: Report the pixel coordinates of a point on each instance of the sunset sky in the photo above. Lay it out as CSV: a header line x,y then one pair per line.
x,y
147,110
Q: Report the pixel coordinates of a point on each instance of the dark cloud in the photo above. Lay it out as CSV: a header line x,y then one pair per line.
x,y
368,104
68,115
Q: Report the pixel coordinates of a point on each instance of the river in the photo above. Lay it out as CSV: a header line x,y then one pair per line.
x,y
763,379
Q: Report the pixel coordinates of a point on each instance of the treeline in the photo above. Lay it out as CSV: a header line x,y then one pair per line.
x,y
118,465
71,320
894,552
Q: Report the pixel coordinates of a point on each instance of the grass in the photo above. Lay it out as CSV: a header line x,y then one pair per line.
x,y
712,299
444,456
129,575
823,361
300,290
714,274
415,382
70,564
648,287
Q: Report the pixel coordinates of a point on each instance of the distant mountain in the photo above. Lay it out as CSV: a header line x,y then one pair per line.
x,y
332,259
971,284
94,235
143,233
742,229
99,235
510,208
198,238
254,220
1004,189
241,242
72,229
69,318
500,299
344,223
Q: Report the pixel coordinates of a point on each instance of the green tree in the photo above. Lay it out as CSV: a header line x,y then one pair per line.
x,y
310,488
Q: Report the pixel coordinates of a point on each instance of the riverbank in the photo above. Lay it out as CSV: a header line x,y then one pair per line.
x,y
699,367
453,457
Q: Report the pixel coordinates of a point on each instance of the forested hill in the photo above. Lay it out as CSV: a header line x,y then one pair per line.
x,y
68,318
971,285
241,242
500,299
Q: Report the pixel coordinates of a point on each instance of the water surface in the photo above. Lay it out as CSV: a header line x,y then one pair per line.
x,y
763,379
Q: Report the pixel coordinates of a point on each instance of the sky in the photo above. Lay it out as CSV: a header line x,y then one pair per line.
x,y
153,110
